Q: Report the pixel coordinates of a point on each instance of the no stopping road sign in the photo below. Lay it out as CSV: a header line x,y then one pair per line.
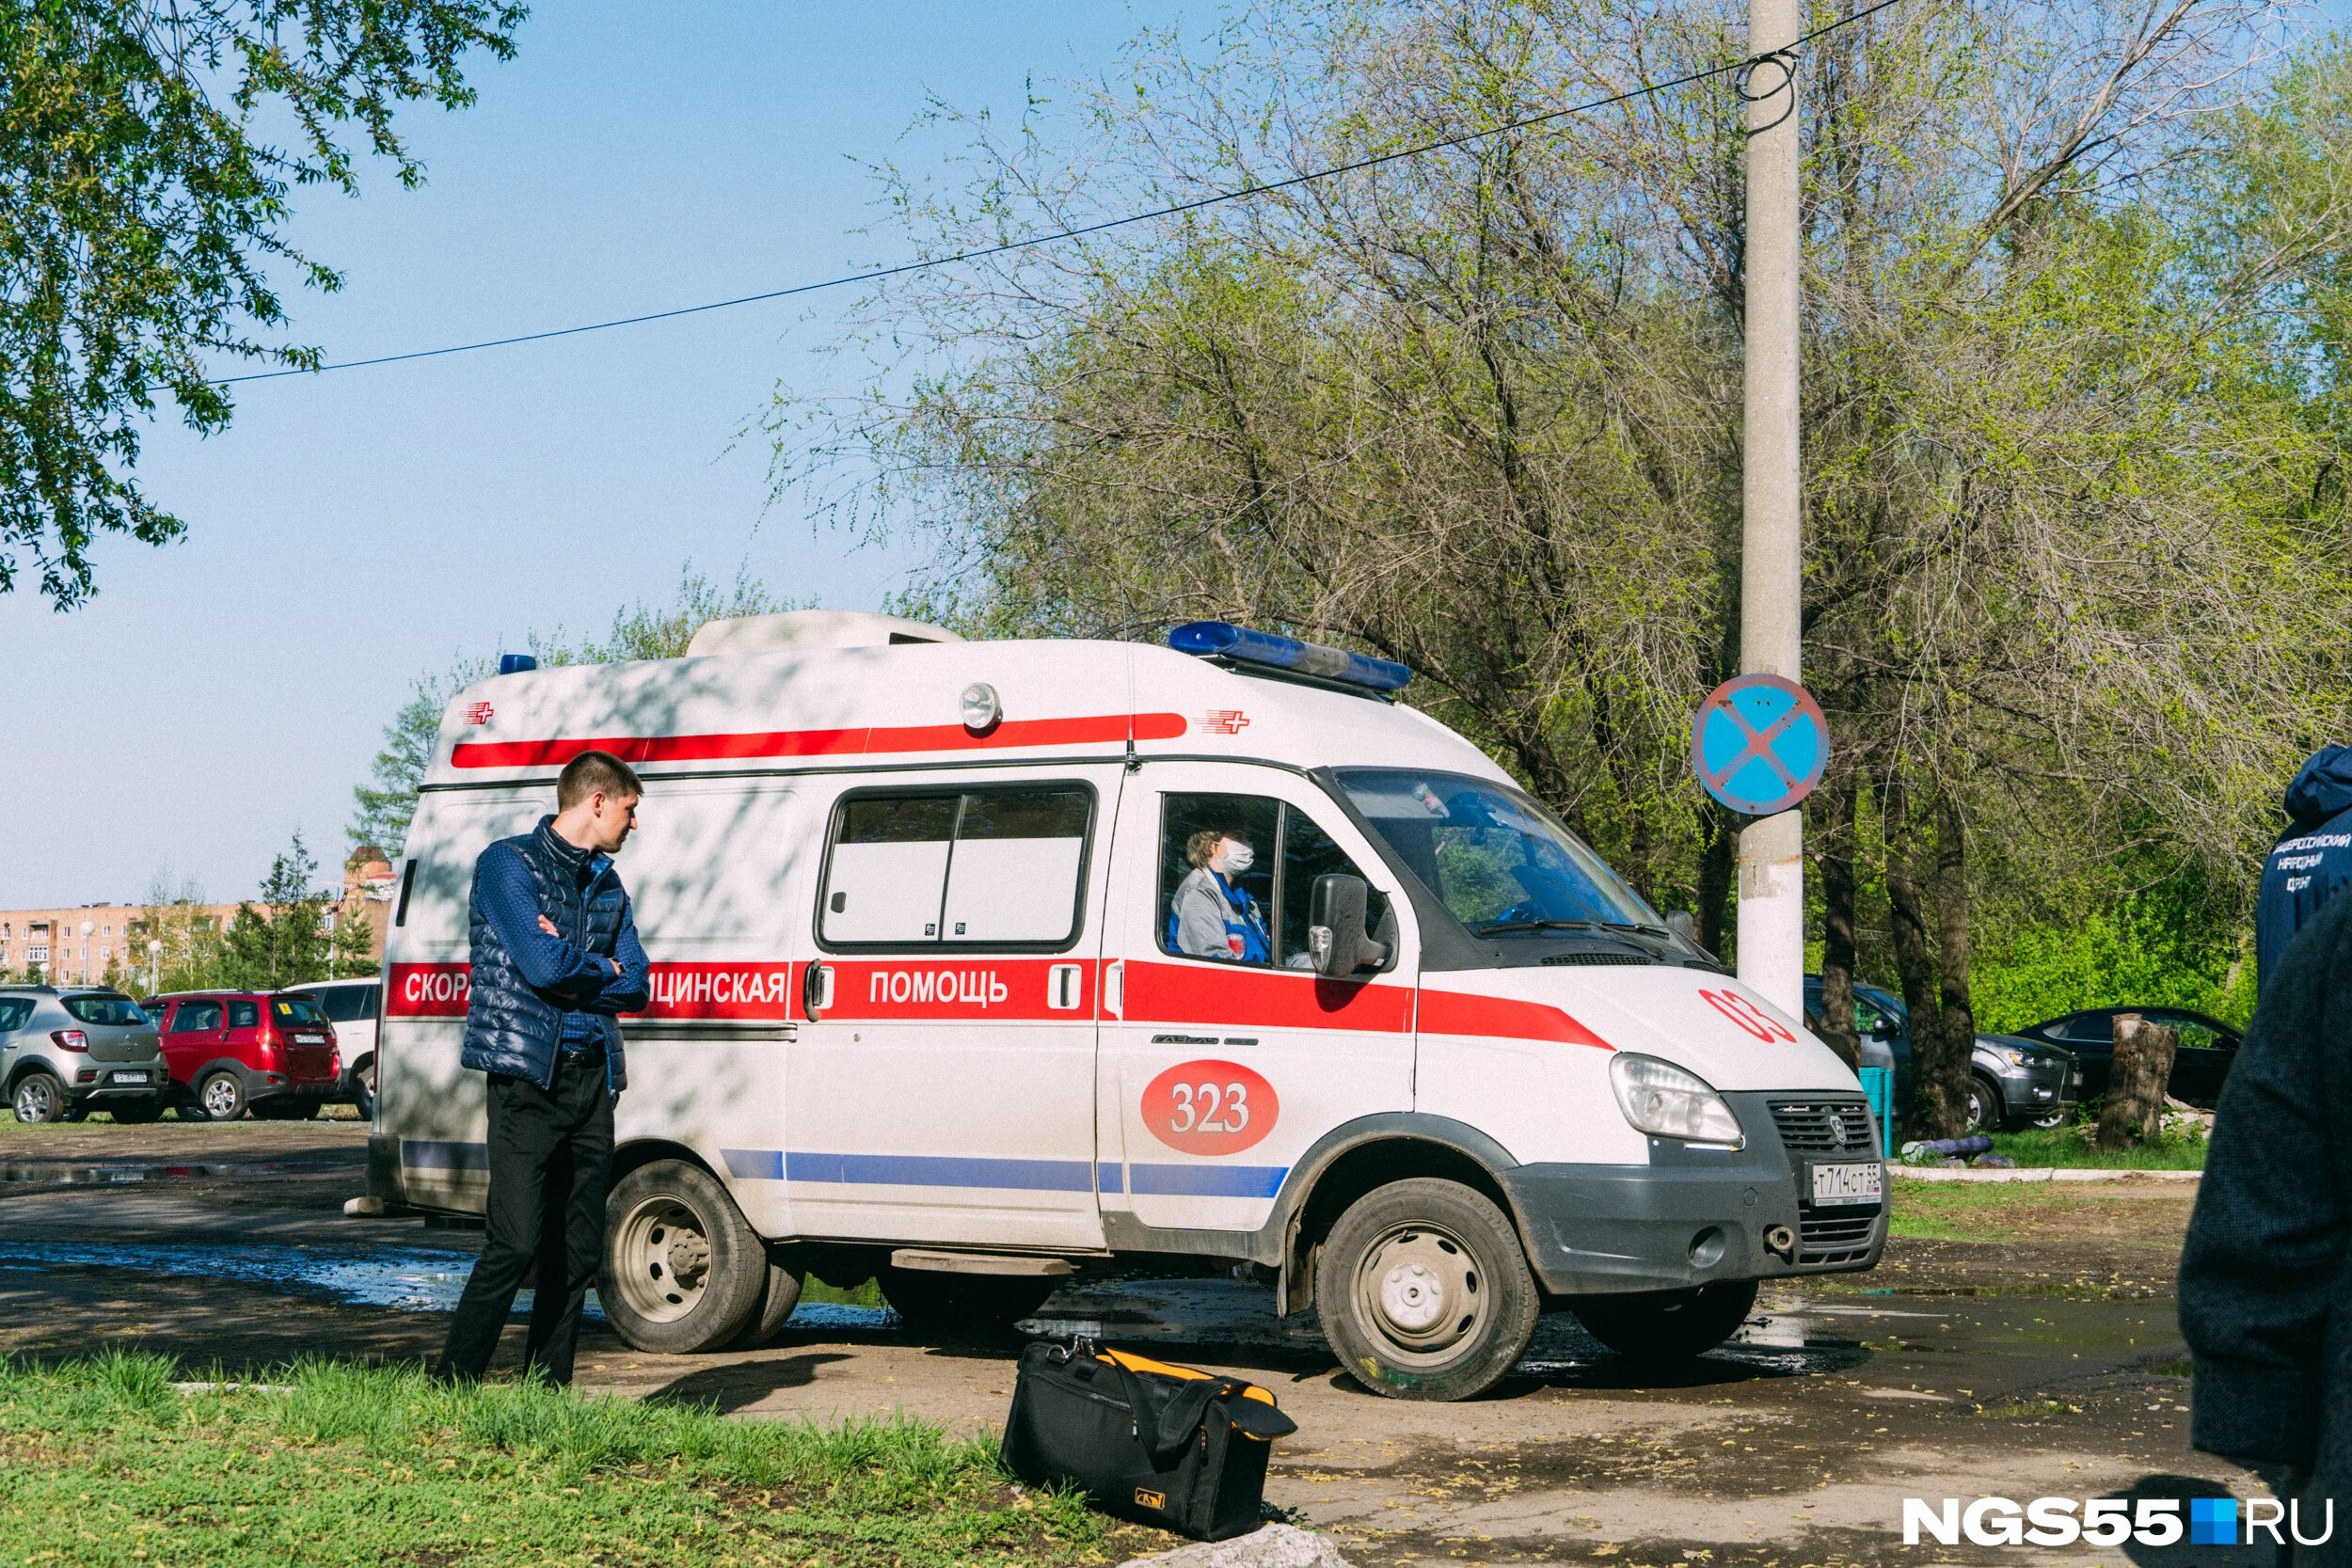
x,y
1758,744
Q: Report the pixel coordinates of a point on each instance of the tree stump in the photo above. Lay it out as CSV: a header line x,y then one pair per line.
x,y
2135,1103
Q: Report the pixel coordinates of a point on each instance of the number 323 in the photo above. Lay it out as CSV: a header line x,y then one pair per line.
x,y
1209,1107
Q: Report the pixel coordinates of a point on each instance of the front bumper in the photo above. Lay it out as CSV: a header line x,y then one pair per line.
x,y
1692,1216
2039,1087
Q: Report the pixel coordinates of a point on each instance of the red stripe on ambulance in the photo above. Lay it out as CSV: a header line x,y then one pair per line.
x,y
713,991
1454,1012
1098,730
1268,998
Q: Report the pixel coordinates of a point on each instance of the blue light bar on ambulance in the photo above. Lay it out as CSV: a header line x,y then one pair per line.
x,y
1222,640
515,664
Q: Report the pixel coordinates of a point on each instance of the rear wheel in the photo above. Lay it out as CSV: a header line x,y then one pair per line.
x,y
40,1097
1668,1325
778,1296
683,1272
1423,1292
963,1302
1984,1105
221,1096
363,1089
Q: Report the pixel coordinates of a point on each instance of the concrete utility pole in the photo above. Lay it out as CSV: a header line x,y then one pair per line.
x,y
1771,851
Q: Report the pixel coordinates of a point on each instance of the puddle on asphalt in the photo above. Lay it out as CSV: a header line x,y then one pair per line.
x,y
1786,1338
44,1173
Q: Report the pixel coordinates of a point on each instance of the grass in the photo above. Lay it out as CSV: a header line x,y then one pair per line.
x,y
2011,1211
103,1461
2069,1147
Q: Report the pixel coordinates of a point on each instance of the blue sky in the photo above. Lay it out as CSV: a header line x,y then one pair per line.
x,y
350,531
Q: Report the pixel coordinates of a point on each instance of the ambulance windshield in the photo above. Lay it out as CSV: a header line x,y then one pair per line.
x,y
1503,863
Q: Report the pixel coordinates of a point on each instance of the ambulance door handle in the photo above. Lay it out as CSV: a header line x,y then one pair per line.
x,y
1115,987
816,991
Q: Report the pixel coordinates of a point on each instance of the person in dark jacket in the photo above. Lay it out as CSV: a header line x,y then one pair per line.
x,y
2311,861
555,958
2266,1287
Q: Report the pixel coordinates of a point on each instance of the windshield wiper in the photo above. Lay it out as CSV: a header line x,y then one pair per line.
x,y
1643,926
1498,928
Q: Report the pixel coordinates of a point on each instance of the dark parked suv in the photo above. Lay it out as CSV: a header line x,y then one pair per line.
x,y
231,1049
66,1051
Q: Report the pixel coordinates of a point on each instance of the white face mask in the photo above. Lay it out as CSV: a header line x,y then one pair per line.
x,y
1239,859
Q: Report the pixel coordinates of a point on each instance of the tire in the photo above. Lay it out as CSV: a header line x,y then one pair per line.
x,y
683,1272
1985,1110
186,1108
778,1295
39,1098
221,1096
1424,1291
363,1089
963,1302
138,1112
1668,1325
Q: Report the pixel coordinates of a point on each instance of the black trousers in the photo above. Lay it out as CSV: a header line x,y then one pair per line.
x,y
550,1163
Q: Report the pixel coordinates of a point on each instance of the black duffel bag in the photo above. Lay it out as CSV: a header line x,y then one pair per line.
x,y
1160,1444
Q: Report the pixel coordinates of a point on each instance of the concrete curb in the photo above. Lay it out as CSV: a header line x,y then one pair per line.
x,y
2047,1173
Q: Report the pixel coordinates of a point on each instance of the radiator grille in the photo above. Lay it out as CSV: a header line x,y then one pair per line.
x,y
1823,1126
1835,1238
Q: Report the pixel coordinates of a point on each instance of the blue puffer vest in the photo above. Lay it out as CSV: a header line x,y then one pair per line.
x,y
511,1025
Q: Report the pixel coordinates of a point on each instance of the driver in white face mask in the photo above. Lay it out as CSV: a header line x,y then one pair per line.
x,y
1212,916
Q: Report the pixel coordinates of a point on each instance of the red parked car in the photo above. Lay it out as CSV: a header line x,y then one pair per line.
x,y
230,1051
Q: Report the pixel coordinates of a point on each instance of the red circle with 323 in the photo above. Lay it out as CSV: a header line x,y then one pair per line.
x,y
1210,1108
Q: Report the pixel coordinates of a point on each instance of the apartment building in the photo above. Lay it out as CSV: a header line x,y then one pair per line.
x,y
85,944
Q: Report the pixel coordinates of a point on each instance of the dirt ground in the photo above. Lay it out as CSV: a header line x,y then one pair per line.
x,y
2032,1352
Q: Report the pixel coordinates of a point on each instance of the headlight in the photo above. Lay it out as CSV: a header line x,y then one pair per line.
x,y
2016,1058
1658,1097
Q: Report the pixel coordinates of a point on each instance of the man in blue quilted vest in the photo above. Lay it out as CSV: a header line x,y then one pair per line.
x,y
555,958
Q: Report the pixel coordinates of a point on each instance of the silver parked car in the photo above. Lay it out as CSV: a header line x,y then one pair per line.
x,y
64,1052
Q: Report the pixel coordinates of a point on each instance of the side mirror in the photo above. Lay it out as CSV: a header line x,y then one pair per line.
x,y
1681,925
1884,1029
1336,937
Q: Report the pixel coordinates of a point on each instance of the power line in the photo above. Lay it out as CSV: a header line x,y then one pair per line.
x,y
1059,236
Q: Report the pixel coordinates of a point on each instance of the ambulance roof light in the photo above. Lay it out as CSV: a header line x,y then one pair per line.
x,y
1222,640
515,664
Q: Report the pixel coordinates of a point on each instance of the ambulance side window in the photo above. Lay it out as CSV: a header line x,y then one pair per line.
x,y
1308,852
1243,936
997,867
887,867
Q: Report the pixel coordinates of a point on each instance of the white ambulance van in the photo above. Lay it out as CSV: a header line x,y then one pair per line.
x,y
923,1008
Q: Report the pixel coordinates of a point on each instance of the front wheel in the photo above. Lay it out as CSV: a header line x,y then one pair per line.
x,y
1668,1325
1423,1292
363,1089
682,1270
39,1097
962,1303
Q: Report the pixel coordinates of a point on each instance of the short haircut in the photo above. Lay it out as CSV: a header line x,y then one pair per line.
x,y
1201,848
591,772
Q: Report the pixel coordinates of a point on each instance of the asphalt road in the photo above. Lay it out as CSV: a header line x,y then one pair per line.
x,y
2047,1364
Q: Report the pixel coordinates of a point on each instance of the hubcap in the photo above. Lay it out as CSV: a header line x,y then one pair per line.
x,y
221,1097
661,1260
32,1102
1419,1293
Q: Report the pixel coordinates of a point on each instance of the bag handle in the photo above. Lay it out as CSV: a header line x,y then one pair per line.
x,y
1165,1432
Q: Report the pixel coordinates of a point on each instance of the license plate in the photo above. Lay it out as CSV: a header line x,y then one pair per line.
x,y
1858,1183
310,1039
130,1077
